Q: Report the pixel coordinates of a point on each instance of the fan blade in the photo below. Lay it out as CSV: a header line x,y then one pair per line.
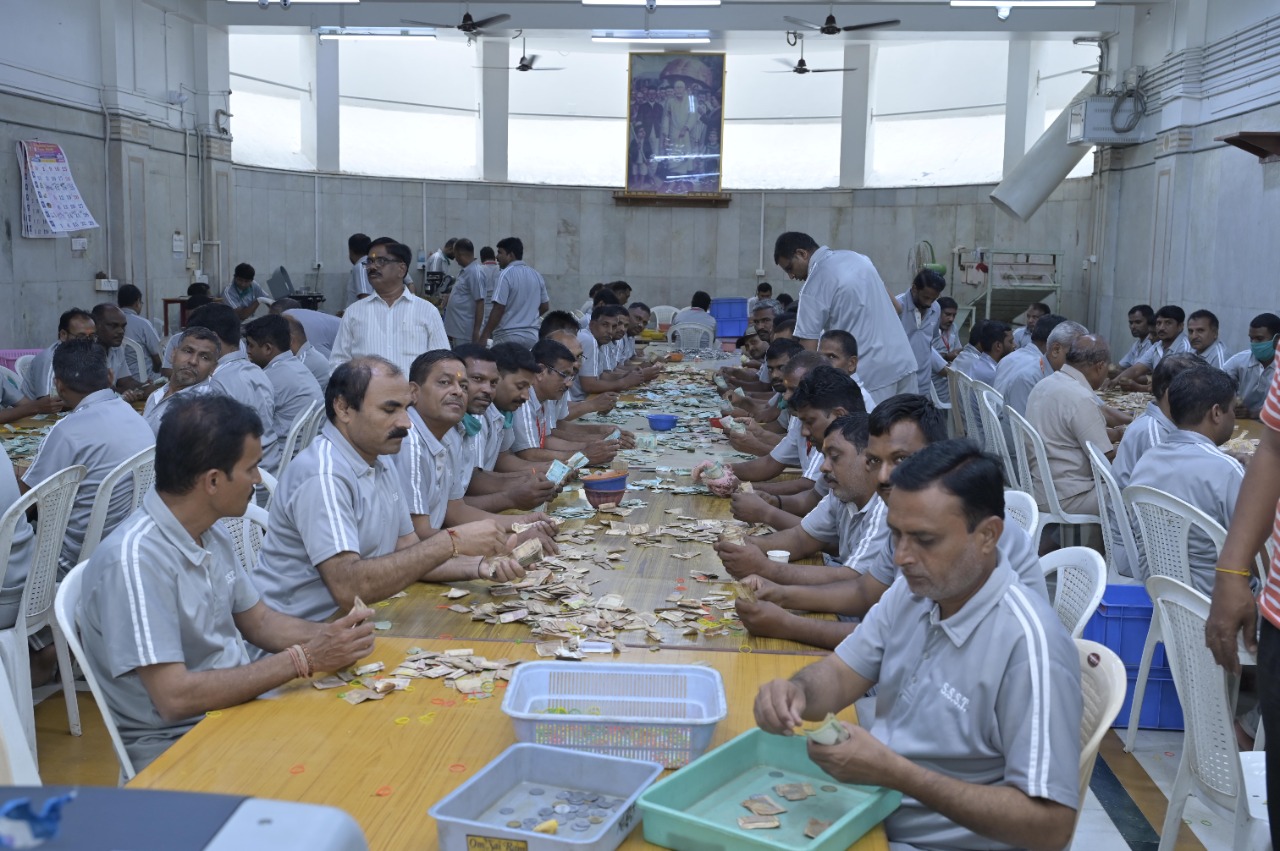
x,y
786,62
532,60
488,22
425,24
788,71
873,26
830,70
800,23
546,69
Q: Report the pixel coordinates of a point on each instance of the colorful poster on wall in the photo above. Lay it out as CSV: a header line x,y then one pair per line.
x,y
675,123
51,201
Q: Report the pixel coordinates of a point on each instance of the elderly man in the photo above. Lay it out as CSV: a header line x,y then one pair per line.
x,y
464,317
236,376
320,329
1142,326
393,324
74,324
521,297
1254,368
340,527
1201,405
139,330
242,294
109,326
166,604
1021,370
978,705
1170,339
920,313
1064,409
843,290
194,360
267,343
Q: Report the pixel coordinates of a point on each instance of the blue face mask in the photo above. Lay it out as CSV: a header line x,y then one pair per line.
x,y
508,419
782,404
471,424
1264,351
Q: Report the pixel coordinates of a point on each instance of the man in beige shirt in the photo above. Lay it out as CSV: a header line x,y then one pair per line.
x,y
1066,411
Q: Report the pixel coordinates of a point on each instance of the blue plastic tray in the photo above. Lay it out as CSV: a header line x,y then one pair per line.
x,y
699,805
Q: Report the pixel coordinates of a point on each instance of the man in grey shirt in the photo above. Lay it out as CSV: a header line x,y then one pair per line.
x,y
340,528
194,359
141,331
842,290
110,323
321,329
358,280
166,605
464,316
308,355
238,378
978,706
295,388
1154,427
920,313
521,297
1254,368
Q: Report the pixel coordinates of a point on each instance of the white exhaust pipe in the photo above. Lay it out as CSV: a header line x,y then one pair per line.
x,y
1042,169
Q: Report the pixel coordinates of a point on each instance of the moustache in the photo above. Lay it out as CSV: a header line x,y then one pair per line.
x,y
398,434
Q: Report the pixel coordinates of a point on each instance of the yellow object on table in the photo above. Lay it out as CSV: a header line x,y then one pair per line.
x,y
304,744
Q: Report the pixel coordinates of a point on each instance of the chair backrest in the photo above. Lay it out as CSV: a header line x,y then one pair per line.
x,y
937,401
1020,450
691,335
7,374
53,499
1079,576
142,466
64,609
1024,433
17,765
304,430
247,532
1021,506
141,361
662,314
1164,523
1203,688
1103,683
21,366
961,394
990,404
1117,525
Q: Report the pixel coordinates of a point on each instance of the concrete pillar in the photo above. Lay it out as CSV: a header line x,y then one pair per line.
x,y
309,60
856,102
326,100
495,98
1023,105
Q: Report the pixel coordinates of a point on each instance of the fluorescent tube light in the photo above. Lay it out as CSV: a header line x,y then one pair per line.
x,y
651,36
374,33
1023,4
645,2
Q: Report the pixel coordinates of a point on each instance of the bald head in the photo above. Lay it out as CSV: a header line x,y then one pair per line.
x,y
1091,355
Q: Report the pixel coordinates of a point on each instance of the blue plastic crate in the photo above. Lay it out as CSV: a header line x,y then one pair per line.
x,y
1121,623
1161,709
731,316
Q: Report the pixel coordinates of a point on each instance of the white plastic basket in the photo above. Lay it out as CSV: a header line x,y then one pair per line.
x,y
662,713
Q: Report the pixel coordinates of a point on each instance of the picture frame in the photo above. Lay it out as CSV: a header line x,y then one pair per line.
x,y
675,124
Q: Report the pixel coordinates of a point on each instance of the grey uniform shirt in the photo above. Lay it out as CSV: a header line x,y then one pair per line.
x,y
795,450
1188,465
295,390
860,533
920,330
1215,354
321,328
153,596
1065,410
39,379
238,300
1156,353
944,342
695,316
10,389
158,403
989,696
316,363
119,365
142,332
1252,379
1016,548
590,365
358,281
99,433
496,435
237,377
460,316
1017,374
520,290
329,501
1139,348
491,272
844,292
1151,429
531,426
425,470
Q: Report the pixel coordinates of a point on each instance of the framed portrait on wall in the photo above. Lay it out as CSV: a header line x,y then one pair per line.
x,y
675,123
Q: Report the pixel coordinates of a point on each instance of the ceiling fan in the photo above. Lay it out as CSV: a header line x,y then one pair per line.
x,y
830,27
526,62
469,25
802,68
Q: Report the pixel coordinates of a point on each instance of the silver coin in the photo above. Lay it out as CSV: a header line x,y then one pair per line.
x,y
562,809
828,788
581,824
537,791
506,811
775,774
546,812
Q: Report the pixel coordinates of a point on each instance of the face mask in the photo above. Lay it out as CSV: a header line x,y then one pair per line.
x,y
471,424
1263,351
782,404
508,419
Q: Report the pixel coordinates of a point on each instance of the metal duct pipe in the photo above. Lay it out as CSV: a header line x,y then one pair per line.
x,y
1042,169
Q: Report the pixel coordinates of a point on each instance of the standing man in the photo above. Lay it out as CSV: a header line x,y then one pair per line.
x,y
489,263
1254,368
842,290
358,281
140,330
295,389
946,343
194,359
243,293
521,297
1022,336
438,262
395,324
464,316
920,314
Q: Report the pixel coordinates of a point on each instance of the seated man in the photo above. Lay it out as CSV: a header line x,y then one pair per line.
x,y
533,440
593,377
238,378
967,665
242,294
640,315
755,376
1170,339
763,408
1025,367
316,362
194,360
1142,326
74,324
1202,335
141,331
1189,465
22,549
166,604
993,340
197,296
1254,368
603,297
1154,427
763,440
598,403
14,406
697,313
841,351
295,389
321,329
109,326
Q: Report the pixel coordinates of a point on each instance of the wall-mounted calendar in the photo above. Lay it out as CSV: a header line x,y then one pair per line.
x,y
51,202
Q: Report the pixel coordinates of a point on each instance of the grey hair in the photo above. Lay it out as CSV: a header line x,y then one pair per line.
x,y
769,303
1088,350
1066,334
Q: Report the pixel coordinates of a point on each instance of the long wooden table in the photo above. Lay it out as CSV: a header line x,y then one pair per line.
x,y
386,762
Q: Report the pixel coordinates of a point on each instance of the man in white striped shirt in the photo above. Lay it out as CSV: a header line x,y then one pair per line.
x,y
393,323
978,706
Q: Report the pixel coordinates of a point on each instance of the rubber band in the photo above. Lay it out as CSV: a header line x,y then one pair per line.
x,y
457,768
444,636
437,701
746,648
298,769
402,720
216,713
383,791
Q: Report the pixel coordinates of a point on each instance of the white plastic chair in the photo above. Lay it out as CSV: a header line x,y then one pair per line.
x,y
17,763
1253,769
247,532
961,393
990,403
65,605
142,466
1027,444
22,365
691,335
1021,506
1078,576
661,315
304,430
7,374
1103,684
141,359
1210,764
53,499
956,420
1117,524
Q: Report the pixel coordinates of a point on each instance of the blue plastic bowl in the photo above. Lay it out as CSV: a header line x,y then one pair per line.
x,y
612,481
662,422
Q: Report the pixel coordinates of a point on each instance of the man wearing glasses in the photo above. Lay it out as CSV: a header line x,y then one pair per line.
x,y
393,323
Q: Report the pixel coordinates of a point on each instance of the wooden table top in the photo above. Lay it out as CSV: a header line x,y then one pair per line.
x,y
302,744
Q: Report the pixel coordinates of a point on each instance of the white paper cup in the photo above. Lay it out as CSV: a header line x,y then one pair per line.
x,y
783,556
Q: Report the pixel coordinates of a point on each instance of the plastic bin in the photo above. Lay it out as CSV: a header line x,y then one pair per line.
x,y
731,316
663,713
1121,623
526,778
699,806
1161,709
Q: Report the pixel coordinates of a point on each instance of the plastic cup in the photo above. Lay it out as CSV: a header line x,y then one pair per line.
x,y
782,556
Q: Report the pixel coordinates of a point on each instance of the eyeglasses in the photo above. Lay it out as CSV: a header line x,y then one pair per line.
x,y
383,261
565,375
